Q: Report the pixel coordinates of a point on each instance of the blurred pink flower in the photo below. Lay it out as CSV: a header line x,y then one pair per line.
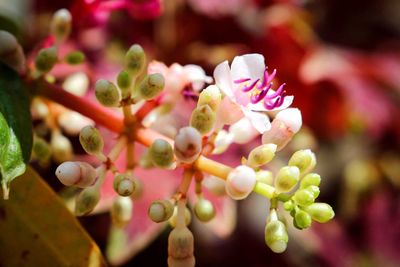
x,y
218,8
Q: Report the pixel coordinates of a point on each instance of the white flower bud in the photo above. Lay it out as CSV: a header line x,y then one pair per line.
x,y
210,96
60,25
203,119
180,248
124,185
215,185
188,144
261,155
76,173
161,210
240,182
72,122
135,59
287,178
91,140
121,211
243,131
204,210
107,93
76,83
61,147
151,86
222,142
305,160
87,201
188,217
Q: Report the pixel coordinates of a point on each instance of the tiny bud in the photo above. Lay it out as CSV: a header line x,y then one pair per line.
x,y
76,83
203,119
107,93
303,197
240,182
61,147
222,142
87,201
180,247
11,52
76,173
264,176
161,153
261,155
288,205
123,185
135,59
72,122
160,210
215,185
304,160
121,211
210,96
91,140
188,144
46,59
287,178
75,57
188,217
124,81
302,220
310,179
204,210
320,212
276,236
314,190
41,150
151,86
60,25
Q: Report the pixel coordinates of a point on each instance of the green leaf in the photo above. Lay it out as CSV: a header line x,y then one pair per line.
x,y
38,230
15,127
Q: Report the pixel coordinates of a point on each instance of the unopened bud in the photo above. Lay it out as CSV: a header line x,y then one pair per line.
x,y
204,210
304,160
314,190
287,178
135,59
173,220
276,236
161,153
87,201
61,147
46,59
107,93
310,179
320,212
151,86
77,173
188,144
41,150
60,25
91,140
210,96
11,52
240,182
161,210
124,81
123,185
75,57
261,155
181,247
302,220
303,197
121,211
265,176
243,131
288,205
203,119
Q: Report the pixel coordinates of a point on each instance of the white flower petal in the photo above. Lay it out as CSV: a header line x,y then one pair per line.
x,y
248,66
223,79
291,117
286,103
243,131
260,121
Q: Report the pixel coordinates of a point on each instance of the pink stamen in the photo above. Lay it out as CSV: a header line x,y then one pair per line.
x,y
251,87
239,81
277,93
257,98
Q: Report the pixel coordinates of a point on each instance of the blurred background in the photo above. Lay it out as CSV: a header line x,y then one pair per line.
x,y
341,61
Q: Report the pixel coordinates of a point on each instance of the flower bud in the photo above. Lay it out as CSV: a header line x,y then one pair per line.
x,y
188,217
303,197
123,185
288,205
210,96
91,140
310,179
240,182
87,201
320,212
41,150
124,81
243,131
60,25
72,122
302,220
215,185
160,210
304,160
204,210
188,144
222,142
287,178
151,86
11,52
61,147
314,190
180,247
261,155
203,119
76,83
75,58
107,93
161,153
276,236
46,59
264,176
121,211
135,59
76,173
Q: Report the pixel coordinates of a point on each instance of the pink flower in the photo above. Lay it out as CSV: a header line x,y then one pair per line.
x,y
247,86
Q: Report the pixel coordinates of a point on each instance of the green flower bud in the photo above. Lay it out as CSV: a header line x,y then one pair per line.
x,y
320,212
204,210
151,86
107,93
302,220
304,160
288,205
203,119
41,150
91,140
60,25
276,236
310,179
161,153
314,190
46,59
61,147
210,96
261,155
188,217
287,178
160,210
75,57
188,144
123,185
265,176
87,201
77,173
180,247
135,59
121,211
124,81
303,197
